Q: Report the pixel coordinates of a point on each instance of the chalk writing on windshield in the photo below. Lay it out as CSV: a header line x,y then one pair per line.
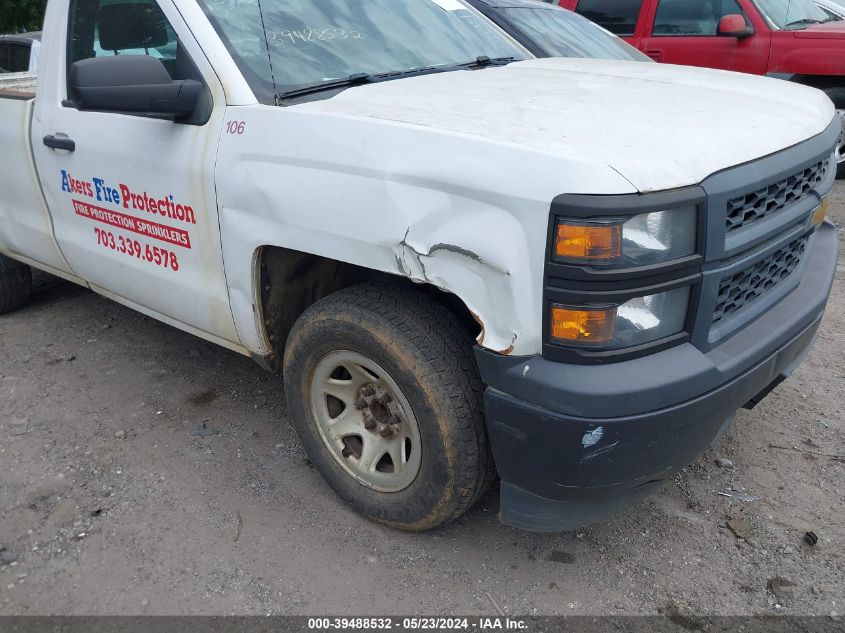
x,y
300,36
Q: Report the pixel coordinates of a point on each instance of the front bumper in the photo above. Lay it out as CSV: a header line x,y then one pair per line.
x,y
575,443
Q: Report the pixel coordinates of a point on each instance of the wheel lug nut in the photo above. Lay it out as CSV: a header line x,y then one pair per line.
x,y
367,391
370,424
361,404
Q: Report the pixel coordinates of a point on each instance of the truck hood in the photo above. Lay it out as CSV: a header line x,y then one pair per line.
x,y
659,126
826,31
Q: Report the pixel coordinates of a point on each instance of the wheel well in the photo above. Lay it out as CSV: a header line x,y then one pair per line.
x,y
291,281
821,82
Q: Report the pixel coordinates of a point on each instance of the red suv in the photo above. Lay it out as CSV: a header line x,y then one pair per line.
x,y
788,39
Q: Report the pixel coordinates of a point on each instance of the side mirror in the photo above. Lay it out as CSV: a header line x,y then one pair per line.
x,y
734,25
136,84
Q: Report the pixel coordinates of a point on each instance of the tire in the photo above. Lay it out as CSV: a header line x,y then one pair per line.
x,y
423,360
837,95
15,284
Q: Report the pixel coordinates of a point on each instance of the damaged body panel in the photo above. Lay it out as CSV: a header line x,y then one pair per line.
x,y
370,193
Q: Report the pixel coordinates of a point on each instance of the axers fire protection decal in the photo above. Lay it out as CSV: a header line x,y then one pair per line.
x,y
150,224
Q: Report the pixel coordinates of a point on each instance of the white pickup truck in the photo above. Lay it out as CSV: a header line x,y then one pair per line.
x,y
466,262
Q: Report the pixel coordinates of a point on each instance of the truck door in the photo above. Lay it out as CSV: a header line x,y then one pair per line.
x,y
132,197
685,32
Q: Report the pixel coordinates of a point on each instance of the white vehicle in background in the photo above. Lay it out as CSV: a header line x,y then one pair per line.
x,y
569,273
833,8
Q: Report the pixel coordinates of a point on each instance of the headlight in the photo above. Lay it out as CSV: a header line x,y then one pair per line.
x,y
642,240
635,322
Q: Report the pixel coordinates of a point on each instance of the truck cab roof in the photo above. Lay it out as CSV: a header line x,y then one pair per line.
x,y
22,38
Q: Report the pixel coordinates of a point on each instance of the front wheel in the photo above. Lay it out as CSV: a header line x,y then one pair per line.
x,y
383,390
837,95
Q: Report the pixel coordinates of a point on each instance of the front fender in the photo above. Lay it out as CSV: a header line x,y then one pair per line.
x,y
792,55
481,256
466,215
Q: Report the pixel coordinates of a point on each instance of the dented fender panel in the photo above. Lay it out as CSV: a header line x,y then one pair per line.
x,y
466,215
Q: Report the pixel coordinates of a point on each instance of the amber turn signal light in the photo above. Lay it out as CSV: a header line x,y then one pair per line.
x,y
588,242
583,325
820,213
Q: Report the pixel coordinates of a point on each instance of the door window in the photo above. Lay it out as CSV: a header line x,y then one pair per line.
x,y
100,28
18,60
692,17
617,16
14,57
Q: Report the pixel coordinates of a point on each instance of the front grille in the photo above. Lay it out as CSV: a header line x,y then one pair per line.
x,y
746,209
740,289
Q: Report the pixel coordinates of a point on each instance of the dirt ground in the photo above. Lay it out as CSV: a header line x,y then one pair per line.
x,y
144,471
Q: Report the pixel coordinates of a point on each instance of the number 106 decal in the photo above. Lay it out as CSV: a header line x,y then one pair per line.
x,y
235,127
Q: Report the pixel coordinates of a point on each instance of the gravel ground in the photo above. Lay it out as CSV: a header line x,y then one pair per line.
x,y
145,471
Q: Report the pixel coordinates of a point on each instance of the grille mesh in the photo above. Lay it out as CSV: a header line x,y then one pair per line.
x,y
740,289
748,208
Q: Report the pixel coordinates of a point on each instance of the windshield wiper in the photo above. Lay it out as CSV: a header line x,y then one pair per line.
x,y
356,79
804,21
482,61
478,62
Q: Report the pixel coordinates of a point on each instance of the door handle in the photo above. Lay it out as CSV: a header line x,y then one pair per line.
x,y
655,53
56,142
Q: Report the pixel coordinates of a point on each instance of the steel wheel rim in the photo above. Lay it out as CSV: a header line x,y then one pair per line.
x,y
840,146
365,421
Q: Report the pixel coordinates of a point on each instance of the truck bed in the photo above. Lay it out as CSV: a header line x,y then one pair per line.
x,y
23,216
17,85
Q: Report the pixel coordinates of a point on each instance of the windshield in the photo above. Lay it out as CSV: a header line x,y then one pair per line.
x,y
562,33
283,45
792,14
